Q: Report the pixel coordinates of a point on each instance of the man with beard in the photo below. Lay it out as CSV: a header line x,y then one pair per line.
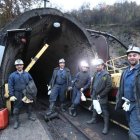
x,y
128,96
101,85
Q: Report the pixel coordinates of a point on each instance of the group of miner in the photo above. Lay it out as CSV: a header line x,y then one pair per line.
x,y
99,83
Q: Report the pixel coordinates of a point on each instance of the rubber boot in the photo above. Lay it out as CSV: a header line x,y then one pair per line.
x,y
93,119
106,125
51,108
30,117
132,136
63,107
16,123
74,112
71,109
50,117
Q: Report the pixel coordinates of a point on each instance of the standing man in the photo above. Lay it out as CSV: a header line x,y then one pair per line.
x,y
60,82
100,87
80,84
128,95
17,82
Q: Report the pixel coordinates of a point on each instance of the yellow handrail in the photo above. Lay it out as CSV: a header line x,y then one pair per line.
x,y
113,67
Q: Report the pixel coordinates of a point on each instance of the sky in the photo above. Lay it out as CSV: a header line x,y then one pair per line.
x,y
68,5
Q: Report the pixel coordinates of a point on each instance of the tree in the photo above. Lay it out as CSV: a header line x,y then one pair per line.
x,y
9,9
122,12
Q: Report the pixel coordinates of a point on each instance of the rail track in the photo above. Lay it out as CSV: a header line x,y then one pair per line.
x,y
82,130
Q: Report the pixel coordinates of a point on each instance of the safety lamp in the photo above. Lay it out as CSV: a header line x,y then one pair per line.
x,y
94,61
97,62
84,64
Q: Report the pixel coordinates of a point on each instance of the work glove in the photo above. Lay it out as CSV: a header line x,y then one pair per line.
x,y
126,105
49,92
26,100
82,89
13,98
49,89
69,88
83,98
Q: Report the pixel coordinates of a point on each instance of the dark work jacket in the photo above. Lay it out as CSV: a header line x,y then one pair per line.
x,y
31,90
120,94
102,88
54,76
82,80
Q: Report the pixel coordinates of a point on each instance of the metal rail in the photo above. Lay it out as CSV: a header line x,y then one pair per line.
x,y
44,105
105,34
64,118
76,125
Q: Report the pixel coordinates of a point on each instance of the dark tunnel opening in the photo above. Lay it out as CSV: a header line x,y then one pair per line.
x,y
61,45
69,41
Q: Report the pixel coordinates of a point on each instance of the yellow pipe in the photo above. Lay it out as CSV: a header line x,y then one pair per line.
x,y
117,58
33,61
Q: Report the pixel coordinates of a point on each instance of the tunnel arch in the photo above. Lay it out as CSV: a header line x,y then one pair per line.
x,y
72,42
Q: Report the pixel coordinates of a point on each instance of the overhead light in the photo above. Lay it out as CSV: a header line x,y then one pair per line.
x,y
56,24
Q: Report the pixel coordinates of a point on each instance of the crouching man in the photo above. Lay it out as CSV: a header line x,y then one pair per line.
x,y
100,87
80,84
17,82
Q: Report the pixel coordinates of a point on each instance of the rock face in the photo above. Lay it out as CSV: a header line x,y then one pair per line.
x,y
126,34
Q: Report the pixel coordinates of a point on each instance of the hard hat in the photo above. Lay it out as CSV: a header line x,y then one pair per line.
x,y
97,62
133,49
62,61
19,62
84,64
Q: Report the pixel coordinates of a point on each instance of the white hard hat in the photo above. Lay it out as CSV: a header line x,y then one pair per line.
x,y
133,49
97,62
62,61
84,64
19,62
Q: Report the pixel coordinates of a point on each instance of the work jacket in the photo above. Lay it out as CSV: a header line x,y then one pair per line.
x,y
82,80
30,91
54,76
120,94
103,87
